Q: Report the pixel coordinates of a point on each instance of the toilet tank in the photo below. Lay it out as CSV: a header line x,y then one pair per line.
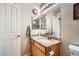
x,y
74,50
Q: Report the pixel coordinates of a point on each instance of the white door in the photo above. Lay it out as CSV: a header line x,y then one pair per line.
x,y
9,30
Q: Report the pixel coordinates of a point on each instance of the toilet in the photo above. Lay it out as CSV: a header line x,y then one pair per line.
x,y
74,50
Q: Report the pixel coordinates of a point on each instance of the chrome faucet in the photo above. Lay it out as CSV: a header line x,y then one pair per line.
x,y
39,33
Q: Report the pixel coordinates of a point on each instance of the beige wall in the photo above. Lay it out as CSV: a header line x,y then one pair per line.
x,y
69,28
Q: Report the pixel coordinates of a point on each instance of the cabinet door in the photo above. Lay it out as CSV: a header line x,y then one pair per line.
x,y
56,49
34,50
39,53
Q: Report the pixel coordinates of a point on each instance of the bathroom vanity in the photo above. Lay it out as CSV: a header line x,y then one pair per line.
x,y
41,46
46,24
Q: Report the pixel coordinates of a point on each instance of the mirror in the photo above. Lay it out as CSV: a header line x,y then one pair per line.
x,y
43,22
35,23
48,22
39,22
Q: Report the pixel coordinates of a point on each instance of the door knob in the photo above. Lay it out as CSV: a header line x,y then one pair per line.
x,y
18,35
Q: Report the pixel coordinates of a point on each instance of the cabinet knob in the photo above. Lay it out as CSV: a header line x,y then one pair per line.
x,y
49,49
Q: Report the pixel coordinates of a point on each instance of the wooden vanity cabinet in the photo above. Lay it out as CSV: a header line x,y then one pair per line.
x,y
56,49
39,50
34,50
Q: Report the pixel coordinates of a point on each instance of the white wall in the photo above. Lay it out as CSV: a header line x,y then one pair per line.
x,y
26,20
69,28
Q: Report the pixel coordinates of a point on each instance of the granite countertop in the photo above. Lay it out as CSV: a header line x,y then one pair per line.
x,y
45,42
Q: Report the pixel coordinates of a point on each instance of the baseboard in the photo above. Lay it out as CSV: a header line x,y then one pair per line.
x,y
29,54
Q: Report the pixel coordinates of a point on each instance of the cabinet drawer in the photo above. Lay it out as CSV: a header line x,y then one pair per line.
x,y
40,47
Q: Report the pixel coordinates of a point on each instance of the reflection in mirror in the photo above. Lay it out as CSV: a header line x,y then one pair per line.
x,y
35,23
56,24
43,22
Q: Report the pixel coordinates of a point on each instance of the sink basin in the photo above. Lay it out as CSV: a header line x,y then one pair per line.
x,y
45,40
